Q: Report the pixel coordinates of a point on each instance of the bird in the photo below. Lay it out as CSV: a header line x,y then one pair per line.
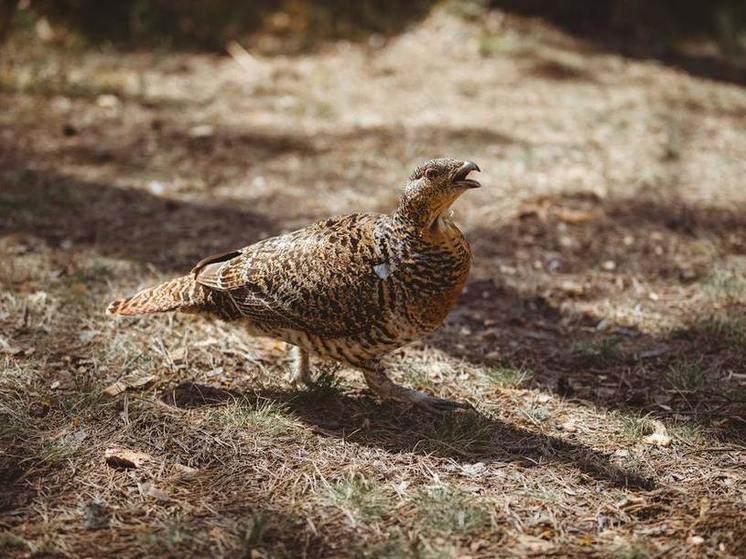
x,y
351,288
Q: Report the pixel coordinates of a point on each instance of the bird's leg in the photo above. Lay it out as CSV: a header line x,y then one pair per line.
x,y
301,369
386,389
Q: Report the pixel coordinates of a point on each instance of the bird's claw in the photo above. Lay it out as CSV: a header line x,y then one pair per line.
x,y
435,405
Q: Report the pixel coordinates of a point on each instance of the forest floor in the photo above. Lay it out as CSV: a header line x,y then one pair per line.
x,y
601,336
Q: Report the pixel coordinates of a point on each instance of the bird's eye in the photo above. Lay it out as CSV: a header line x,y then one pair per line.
x,y
430,173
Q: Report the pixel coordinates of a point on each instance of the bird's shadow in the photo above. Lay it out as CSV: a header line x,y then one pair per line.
x,y
467,437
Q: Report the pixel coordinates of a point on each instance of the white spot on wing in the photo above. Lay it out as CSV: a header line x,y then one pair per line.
x,y
382,270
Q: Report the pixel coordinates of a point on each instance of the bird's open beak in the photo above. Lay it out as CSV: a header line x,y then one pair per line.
x,y
459,178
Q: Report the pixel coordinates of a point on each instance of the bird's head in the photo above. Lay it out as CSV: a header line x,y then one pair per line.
x,y
432,187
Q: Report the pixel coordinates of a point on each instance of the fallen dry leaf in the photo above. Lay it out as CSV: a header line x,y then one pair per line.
x,y
158,494
140,381
129,383
124,458
659,437
575,217
532,544
571,287
115,389
185,470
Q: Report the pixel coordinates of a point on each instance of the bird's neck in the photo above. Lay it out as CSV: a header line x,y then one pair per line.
x,y
430,227
416,214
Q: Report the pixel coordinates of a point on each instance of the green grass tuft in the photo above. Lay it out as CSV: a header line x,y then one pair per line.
x,y
508,377
464,431
325,384
600,351
725,285
724,331
266,417
632,552
447,510
9,540
537,414
362,500
687,375
688,433
634,427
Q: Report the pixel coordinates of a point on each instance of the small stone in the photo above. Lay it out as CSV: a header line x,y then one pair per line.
x,y
569,426
202,131
473,470
156,187
97,514
185,470
86,336
157,494
107,101
60,104
695,540
178,355
477,545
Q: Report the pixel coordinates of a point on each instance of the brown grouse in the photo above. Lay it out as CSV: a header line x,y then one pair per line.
x,y
350,288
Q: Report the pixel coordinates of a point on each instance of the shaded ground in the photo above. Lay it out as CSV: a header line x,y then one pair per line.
x,y
286,26
701,38
606,303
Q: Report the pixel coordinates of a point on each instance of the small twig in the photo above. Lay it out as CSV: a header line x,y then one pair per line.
x,y
126,410
714,449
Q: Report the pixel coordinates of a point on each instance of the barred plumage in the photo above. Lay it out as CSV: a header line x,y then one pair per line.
x,y
351,288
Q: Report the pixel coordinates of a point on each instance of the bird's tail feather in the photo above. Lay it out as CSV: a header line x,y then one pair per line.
x,y
178,294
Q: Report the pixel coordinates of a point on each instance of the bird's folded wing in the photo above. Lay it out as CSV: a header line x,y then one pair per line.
x,y
319,280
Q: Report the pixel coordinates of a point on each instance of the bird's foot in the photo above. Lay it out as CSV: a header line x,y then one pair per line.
x,y
384,387
430,403
299,381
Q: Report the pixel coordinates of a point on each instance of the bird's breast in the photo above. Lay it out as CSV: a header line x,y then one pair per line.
x,y
428,280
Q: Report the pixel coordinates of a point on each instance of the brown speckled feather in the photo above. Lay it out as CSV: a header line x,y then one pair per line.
x,y
320,279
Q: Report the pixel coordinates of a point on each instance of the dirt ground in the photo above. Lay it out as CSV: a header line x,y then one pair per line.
x,y
601,336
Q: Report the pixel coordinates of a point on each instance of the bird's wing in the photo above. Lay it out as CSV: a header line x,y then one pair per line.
x,y
321,279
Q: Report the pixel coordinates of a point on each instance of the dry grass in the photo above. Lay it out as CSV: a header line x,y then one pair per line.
x,y
606,296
